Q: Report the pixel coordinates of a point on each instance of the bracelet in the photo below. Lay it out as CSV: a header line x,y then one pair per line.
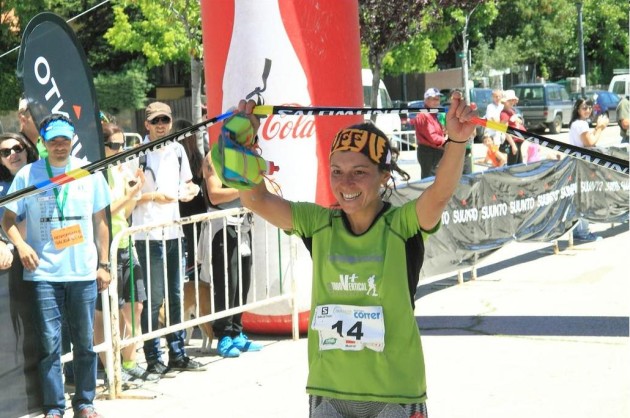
x,y
456,142
104,266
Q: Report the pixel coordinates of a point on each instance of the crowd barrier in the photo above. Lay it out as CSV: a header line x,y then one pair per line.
x,y
261,276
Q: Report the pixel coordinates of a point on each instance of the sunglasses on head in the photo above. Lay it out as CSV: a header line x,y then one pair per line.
x,y
5,152
114,146
160,119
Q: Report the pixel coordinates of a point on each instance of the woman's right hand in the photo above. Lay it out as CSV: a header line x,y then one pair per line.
x,y
246,107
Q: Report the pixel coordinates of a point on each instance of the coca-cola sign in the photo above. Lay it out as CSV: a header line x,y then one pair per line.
x,y
287,127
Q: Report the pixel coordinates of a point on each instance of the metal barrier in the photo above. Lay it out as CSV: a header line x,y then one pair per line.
x,y
114,343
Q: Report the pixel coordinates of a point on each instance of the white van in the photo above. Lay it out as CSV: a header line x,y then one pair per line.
x,y
620,85
386,123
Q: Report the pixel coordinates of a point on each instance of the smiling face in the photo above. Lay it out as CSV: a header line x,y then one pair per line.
x,y
17,155
355,182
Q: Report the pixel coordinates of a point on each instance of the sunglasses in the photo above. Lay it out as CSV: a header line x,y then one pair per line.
x,y
5,152
161,119
114,146
586,107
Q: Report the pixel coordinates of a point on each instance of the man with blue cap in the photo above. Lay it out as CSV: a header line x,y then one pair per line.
x,y
65,253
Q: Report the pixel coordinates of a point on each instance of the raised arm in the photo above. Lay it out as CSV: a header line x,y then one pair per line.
x,y
431,203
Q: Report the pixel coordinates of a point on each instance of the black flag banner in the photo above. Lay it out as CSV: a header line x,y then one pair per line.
x,y
536,202
56,79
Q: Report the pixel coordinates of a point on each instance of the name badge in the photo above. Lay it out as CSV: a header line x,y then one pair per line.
x,y
67,237
350,328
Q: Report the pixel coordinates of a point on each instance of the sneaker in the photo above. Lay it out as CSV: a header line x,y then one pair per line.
x,y
157,367
53,415
244,344
590,237
87,412
226,348
139,372
185,364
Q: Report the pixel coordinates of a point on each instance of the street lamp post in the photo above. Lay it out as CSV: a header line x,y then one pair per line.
x,y
465,54
581,41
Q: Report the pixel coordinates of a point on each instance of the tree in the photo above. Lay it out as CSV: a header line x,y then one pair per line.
x,y
163,31
386,25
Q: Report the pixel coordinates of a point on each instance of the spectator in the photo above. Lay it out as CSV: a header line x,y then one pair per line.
x,y
198,203
124,186
581,135
228,330
493,113
509,117
28,128
167,172
367,255
60,257
430,135
15,153
623,118
494,157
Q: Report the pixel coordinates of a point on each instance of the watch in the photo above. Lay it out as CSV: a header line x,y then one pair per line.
x,y
104,266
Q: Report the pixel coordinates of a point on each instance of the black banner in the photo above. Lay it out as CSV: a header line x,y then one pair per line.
x,y
57,79
538,202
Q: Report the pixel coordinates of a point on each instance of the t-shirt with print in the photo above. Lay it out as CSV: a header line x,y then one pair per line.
x,y
364,275
44,218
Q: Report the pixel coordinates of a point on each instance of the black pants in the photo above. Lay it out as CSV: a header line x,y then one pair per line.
x,y
231,325
429,158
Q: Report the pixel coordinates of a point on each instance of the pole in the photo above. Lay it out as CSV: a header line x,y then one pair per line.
x,y
581,41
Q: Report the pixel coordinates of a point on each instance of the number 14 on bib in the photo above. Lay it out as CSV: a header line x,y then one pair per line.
x,y
349,328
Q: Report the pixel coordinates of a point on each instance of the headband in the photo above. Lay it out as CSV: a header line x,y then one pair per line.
x,y
370,144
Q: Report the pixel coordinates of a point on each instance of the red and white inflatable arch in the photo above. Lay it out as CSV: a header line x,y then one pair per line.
x,y
312,52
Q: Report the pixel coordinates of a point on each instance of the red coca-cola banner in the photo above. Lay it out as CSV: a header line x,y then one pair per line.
x,y
289,52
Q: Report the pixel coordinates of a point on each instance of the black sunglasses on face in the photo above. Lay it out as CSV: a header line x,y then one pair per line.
x,y
114,146
5,152
161,119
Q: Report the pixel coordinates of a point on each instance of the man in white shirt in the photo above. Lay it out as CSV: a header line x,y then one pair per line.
x,y
167,173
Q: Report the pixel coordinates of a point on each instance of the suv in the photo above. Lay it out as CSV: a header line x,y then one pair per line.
x,y
544,105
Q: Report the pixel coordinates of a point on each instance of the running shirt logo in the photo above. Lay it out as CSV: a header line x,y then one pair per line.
x,y
352,283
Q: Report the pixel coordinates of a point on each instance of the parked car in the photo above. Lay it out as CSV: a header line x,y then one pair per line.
x,y
545,105
604,103
620,85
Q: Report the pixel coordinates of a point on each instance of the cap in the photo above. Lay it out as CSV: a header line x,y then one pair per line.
x,y
156,109
374,146
509,95
57,127
432,92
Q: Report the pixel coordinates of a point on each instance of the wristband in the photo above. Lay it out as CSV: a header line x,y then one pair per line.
x,y
456,142
104,266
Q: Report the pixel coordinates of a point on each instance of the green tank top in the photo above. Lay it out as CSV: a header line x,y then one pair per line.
x,y
365,272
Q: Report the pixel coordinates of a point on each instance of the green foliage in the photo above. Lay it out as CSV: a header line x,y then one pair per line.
x,y
122,90
10,91
163,31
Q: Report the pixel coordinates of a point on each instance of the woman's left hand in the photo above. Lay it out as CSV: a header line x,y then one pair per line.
x,y
458,119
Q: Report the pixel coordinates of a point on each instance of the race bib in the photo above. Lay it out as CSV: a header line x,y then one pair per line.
x,y
350,328
67,237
